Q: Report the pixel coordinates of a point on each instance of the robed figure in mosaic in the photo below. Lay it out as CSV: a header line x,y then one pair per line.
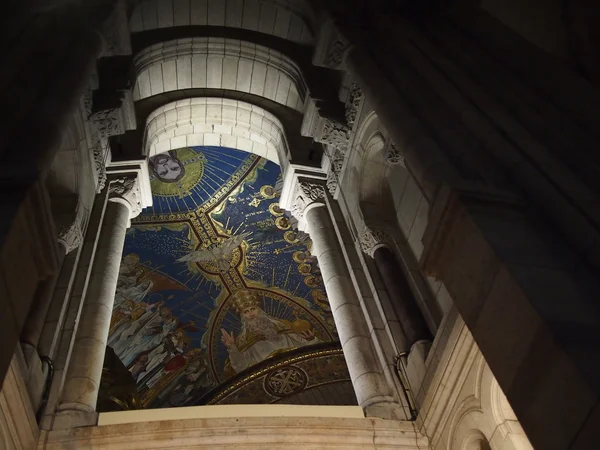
x,y
262,336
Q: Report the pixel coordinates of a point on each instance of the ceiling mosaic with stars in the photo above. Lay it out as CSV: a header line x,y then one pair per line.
x,y
215,278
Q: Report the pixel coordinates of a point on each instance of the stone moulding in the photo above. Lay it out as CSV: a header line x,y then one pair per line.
x,y
246,432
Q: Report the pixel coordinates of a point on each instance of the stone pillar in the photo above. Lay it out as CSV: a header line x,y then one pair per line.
x,y
80,392
372,391
411,319
417,337
69,239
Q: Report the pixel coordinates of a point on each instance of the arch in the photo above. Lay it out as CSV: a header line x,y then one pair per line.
x,y
219,63
287,19
216,122
483,419
373,194
475,440
373,169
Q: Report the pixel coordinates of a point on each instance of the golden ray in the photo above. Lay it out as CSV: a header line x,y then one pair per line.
x,y
287,277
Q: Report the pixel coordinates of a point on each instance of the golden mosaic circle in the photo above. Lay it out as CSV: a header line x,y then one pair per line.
x,y
268,191
283,223
304,269
312,281
299,257
291,237
275,209
319,295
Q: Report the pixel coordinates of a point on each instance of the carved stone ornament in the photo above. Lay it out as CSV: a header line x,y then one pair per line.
x,y
286,381
100,156
306,193
70,236
393,155
335,169
87,102
371,239
335,134
355,96
126,189
335,53
104,124
108,122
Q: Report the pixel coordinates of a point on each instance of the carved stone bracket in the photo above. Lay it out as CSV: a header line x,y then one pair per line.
x,y
70,236
373,238
307,192
125,189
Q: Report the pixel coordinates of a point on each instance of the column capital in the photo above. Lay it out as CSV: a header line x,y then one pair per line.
x,y
125,189
70,236
129,183
307,192
373,238
105,123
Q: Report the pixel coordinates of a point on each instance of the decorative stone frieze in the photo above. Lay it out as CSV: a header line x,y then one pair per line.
x,y
335,134
108,122
355,97
100,154
126,190
307,192
87,100
336,158
70,236
373,238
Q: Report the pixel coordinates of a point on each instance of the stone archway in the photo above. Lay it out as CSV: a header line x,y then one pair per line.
x,y
216,122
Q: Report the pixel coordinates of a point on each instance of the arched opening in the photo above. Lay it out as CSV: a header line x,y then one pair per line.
x,y
217,284
216,122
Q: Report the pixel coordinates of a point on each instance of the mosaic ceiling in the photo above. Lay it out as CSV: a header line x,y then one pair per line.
x,y
215,278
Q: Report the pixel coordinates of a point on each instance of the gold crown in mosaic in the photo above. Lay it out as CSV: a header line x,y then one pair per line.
x,y
243,299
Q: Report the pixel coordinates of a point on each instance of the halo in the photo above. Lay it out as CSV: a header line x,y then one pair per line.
x,y
193,161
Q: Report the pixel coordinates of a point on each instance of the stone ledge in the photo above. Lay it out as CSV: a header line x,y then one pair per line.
x,y
243,432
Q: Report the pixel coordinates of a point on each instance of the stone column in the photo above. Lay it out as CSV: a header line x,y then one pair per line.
x,y
372,391
80,391
417,337
69,239
374,243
